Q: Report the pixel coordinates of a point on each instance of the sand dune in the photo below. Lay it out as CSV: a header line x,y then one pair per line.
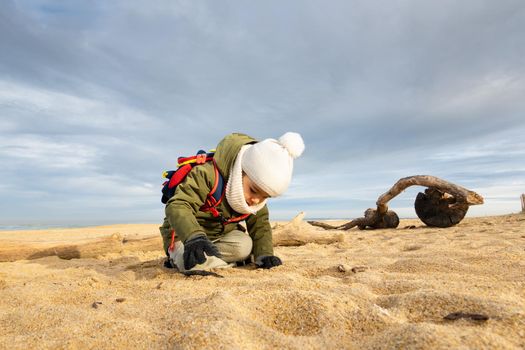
x,y
379,289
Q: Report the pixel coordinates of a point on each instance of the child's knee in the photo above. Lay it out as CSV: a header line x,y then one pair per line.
x,y
245,247
236,246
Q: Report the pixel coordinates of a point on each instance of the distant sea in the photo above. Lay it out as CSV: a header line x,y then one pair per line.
x,y
40,226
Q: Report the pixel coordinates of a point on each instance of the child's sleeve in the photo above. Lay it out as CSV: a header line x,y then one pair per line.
x,y
260,231
190,195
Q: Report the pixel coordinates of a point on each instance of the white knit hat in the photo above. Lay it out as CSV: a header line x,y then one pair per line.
x,y
269,163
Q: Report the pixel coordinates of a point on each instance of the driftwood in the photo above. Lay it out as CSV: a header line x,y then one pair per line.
x,y
297,232
145,244
443,204
88,248
371,219
523,203
438,209
461,194
84,249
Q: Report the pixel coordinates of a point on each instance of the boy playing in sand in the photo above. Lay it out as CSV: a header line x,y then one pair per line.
x,y
252,172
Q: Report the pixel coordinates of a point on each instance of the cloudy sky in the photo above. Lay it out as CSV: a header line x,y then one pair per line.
x,y
97,98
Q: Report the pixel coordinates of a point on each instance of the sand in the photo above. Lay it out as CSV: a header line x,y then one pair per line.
x,y
382,289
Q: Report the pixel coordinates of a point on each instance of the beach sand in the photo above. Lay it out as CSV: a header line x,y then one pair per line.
x,y
106,288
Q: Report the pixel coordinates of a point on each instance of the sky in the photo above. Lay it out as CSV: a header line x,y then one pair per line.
x,y
98,98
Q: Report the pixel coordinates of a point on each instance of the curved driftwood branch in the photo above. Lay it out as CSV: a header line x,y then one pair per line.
x,y
461,194
443,204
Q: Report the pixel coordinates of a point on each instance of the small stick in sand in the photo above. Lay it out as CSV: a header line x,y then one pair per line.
x,y
457,315
200,273
96,304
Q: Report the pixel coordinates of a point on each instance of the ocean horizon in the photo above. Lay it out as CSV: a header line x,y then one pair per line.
x,y
47,226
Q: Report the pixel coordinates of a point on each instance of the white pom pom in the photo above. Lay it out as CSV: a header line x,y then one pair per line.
x,y
293,142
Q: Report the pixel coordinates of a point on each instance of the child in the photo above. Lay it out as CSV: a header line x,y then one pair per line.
x,y
252,172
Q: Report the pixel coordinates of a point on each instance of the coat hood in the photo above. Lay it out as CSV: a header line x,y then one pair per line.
x,y
228,149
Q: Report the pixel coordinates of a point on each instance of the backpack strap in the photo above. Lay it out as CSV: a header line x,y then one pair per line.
x,y
215,197
236,219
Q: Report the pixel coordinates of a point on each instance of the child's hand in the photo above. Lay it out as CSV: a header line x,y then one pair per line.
x,y
268,261
195,248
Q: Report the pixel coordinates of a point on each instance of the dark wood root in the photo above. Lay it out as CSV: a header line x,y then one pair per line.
x,y
359,222
439,209
372,220
322,224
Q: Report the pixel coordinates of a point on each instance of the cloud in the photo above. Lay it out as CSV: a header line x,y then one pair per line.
x,y
37,152
63,111
95,93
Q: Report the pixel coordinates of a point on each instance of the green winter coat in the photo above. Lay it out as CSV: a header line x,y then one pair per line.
x,y
182,210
